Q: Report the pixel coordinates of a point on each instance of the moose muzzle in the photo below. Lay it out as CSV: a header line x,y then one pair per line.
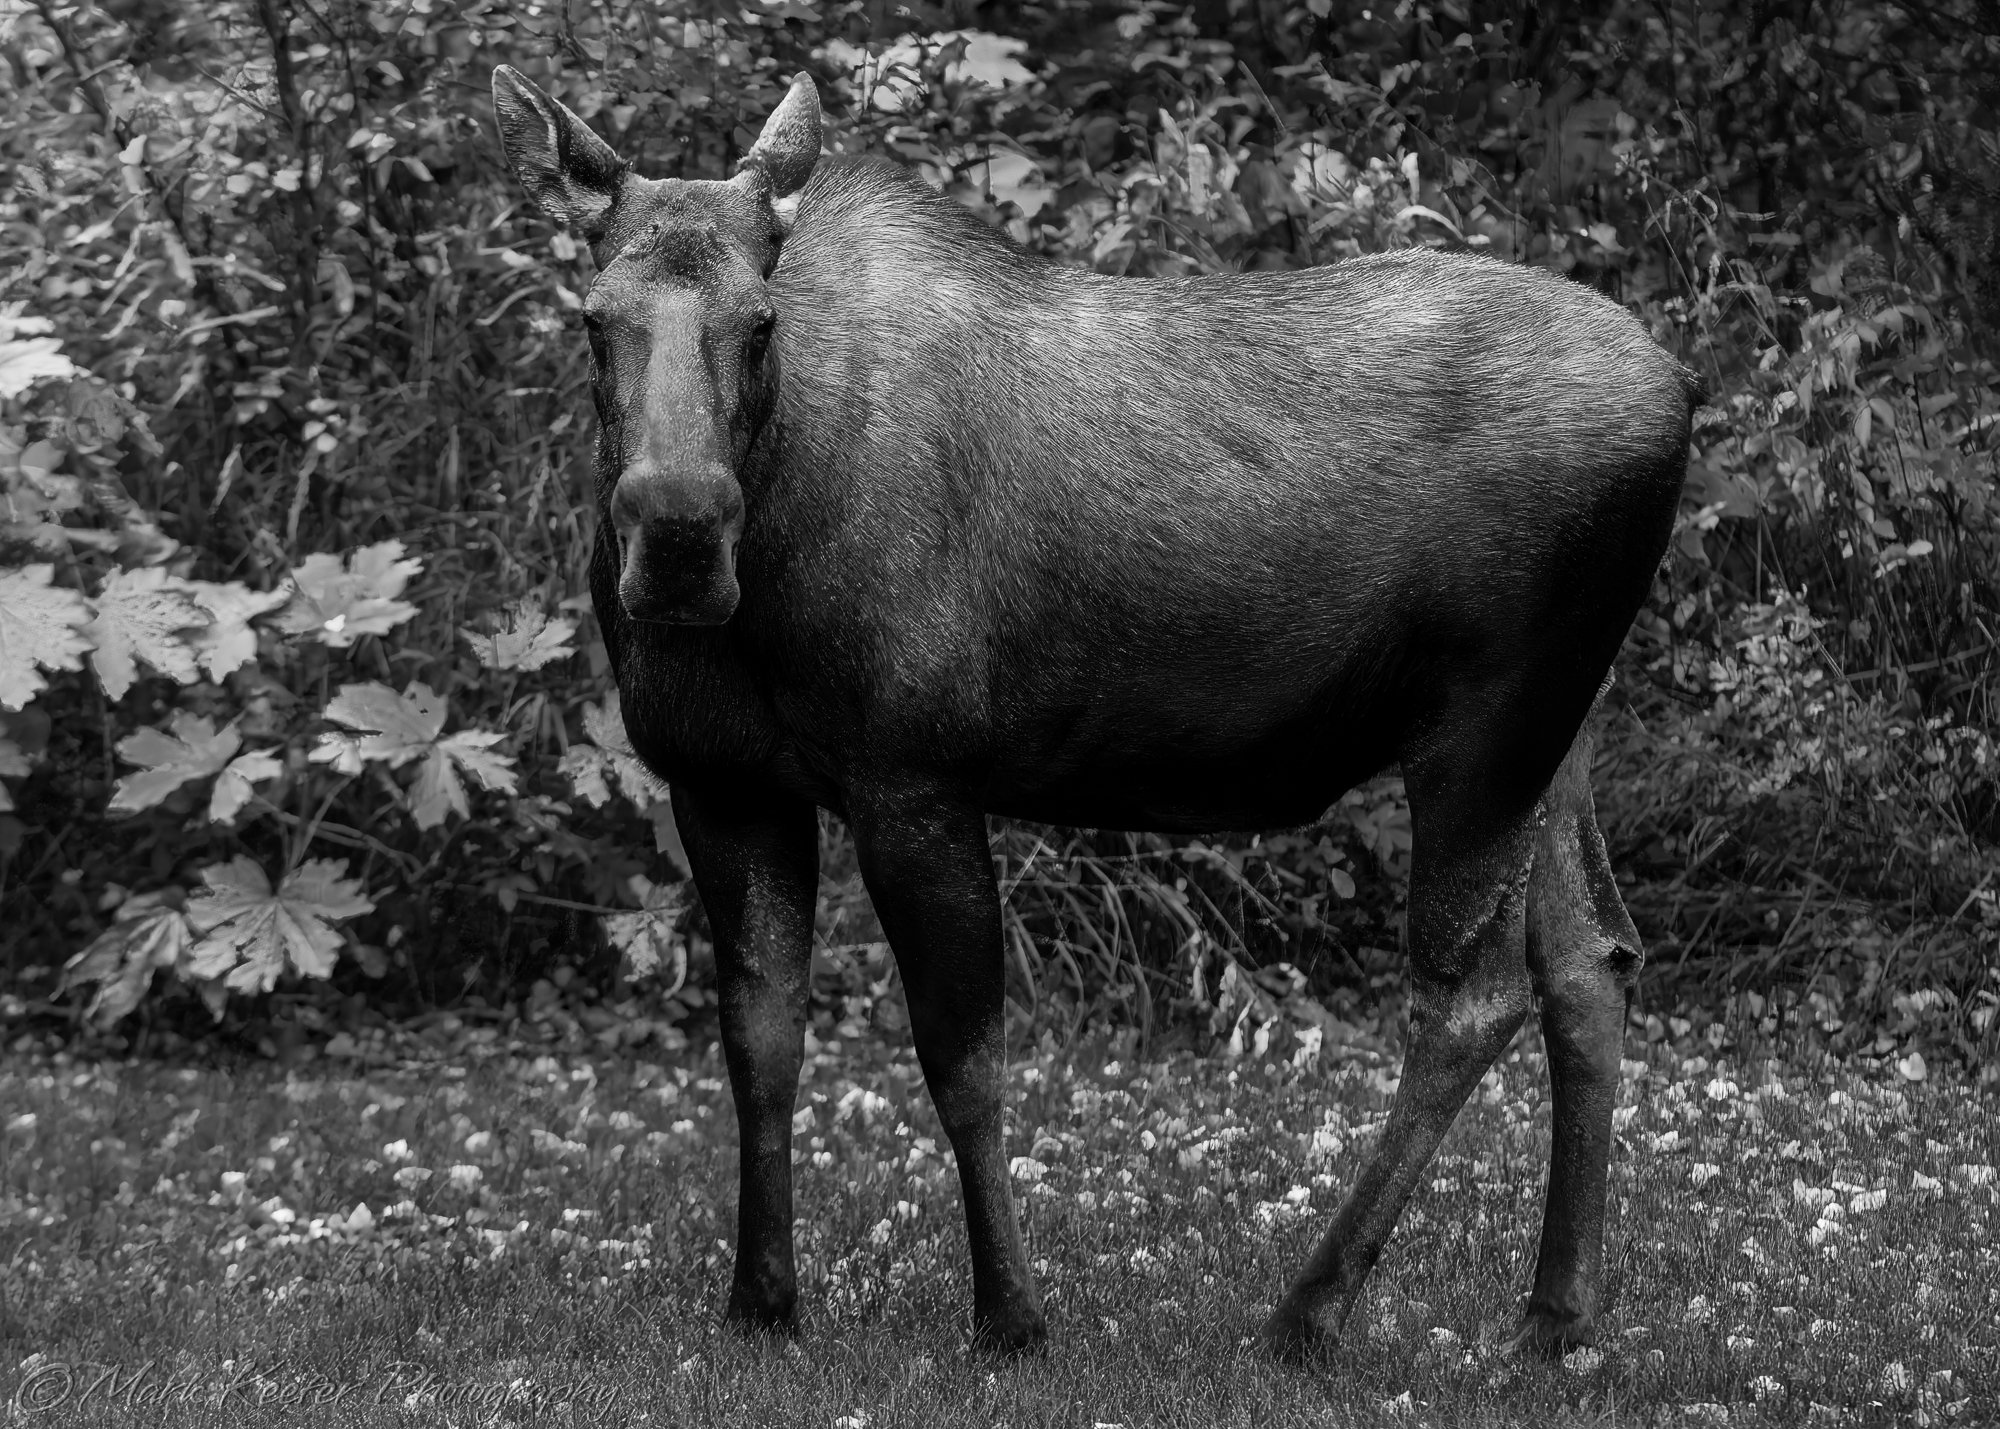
x,y
677,537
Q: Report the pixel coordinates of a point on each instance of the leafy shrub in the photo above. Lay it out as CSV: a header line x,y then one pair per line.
x,y
292,656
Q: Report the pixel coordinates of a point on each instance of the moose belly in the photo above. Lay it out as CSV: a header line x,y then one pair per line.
x,y
1103,774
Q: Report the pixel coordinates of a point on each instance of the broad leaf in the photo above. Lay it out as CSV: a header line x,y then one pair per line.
x,y
399,728
25,361
587,767
438,788
38,631
229,642
335,605
529,640
591,767
140,616
1009,176
651,936
989,60
253,934
232,787
195,750
150,933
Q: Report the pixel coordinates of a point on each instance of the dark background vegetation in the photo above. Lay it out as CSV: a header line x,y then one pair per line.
x,y
311,312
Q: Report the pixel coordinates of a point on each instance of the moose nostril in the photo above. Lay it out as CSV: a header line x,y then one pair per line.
x,y
627,511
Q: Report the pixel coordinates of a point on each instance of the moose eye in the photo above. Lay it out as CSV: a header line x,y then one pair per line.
x,y
760,338
593,332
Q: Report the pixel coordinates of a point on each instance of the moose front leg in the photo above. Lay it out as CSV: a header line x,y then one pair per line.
x,y
930,873
756,864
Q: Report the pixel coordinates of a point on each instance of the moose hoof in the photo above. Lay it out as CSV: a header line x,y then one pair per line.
x,y
1021,1330
1294,1334
1551,1334
759,1317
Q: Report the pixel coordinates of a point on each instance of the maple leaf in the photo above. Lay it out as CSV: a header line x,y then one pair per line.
x,y
336,605
253,934
195,750
232,787
149,933
26,361
38,628
399,728
228,643
610,753
140,614
649,937
438,786
586,765
529,640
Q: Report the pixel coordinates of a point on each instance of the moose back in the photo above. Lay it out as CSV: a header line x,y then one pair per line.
x,y
903,521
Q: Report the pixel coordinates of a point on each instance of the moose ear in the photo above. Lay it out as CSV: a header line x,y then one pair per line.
x,y
571,173
789,146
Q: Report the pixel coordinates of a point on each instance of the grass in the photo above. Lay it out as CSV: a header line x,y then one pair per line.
x,y
203,1222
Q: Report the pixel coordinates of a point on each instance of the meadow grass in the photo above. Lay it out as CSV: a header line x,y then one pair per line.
x,y
546,1240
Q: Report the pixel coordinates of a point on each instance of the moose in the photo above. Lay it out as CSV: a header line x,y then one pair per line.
x,y
902,520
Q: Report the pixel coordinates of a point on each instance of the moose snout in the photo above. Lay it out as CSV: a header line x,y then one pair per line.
x,y
677,538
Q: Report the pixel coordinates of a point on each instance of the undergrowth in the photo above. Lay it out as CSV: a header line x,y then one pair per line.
x,y
293,423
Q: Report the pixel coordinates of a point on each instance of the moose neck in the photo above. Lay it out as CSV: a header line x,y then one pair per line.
x,y
879,278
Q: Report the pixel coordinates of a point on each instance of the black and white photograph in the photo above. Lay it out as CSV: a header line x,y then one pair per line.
x,y
839,714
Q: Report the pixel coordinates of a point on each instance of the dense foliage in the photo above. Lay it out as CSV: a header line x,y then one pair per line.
x,y
297,678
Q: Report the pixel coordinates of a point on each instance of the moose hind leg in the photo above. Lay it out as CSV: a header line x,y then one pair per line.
x,y
1584,955
1469,996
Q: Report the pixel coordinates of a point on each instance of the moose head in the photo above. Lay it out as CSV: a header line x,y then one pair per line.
x,y
683,366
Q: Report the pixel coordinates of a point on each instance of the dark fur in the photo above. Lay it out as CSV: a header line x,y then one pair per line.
x,y
1204,566
1008,537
